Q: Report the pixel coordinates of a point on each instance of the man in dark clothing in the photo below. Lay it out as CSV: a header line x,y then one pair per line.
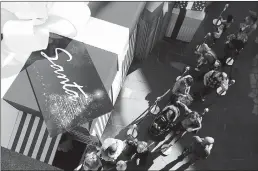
x,y
142,153
142,158
200,148
233,47
131,146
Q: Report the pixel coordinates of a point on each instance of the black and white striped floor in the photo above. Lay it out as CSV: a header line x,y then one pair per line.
x,y
30,138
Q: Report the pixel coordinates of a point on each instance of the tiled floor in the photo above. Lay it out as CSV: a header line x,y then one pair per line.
x,y
230,120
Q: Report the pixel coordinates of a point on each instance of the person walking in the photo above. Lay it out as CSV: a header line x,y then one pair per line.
x,y
250,24
200,149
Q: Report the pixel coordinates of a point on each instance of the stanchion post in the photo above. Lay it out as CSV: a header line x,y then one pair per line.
x,y
217,20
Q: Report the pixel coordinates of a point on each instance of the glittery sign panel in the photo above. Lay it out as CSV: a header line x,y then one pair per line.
x,y
181,4
67,86
198,5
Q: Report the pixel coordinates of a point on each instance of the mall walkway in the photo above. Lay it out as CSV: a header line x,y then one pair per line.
x,y
232,121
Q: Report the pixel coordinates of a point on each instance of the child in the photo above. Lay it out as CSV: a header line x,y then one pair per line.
x,y
121,165
141,154
91,160
131,146
200,149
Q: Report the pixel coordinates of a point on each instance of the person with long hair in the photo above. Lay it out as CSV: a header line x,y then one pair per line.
x,y
181,90
206,57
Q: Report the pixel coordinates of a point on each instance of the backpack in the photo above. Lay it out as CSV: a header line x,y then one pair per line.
x,y
213,79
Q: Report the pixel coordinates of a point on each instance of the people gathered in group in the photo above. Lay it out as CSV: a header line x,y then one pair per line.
x,y
137,151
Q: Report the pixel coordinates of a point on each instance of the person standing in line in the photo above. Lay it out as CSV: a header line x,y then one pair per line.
x,y
111,149
91,160
141,155
200,149
213,80
225,24
250,24
131,146
181,89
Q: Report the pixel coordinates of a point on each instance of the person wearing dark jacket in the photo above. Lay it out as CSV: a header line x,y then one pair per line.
x,y
142,158
199,149
142,152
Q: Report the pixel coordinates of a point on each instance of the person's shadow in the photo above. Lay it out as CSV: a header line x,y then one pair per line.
x,y
185,166
147,164
172,164
152,97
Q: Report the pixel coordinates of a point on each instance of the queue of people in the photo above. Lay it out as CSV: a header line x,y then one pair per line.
x,y
167,120
108,156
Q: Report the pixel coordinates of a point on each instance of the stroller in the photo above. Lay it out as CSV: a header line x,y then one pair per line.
x,y
164,121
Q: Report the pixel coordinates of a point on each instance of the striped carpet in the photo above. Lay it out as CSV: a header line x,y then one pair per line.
x,y
30,138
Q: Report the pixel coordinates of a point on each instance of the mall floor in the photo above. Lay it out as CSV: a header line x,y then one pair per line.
x,y
232,120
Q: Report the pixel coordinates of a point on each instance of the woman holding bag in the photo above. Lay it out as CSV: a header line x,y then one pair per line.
x,y
181,90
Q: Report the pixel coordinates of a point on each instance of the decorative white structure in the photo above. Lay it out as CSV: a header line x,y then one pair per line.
x,y
23,37
26,26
